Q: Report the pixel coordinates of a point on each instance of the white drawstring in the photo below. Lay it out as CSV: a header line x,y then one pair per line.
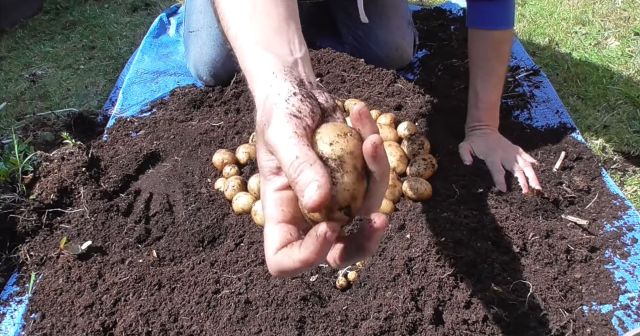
x,y
363,15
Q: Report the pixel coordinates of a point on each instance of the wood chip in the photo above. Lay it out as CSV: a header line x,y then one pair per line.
x,y
559,162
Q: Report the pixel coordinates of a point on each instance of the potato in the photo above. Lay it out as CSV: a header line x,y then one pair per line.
x,y
388,133
416,145
342,283
352,276
234,185
375,114
252,138
257,213
387,207
219,184
223,157
406,129
349,104
254,185
242,203
245,153
388,119
340,149
422,166
397,158
394,189
416,189
230,170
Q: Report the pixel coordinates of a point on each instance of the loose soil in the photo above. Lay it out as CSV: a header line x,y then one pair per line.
x,y
169,256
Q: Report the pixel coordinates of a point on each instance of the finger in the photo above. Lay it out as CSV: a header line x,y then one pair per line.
x,y
360,245
522,179
301,254
497,173
466,152
378,164
362,121
528,157
307,175
530,173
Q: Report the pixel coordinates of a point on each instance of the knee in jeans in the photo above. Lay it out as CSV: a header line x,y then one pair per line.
x,y
397,54
212,72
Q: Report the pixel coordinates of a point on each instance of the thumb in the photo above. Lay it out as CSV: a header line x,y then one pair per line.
x,y
307,175
465,151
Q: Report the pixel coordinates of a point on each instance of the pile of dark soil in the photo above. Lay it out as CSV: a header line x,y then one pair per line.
x,y
169,257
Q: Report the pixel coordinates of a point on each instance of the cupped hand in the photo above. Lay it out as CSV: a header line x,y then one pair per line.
x,y
292,175
499,154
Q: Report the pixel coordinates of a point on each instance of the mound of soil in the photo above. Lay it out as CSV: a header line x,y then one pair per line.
x,y
169,256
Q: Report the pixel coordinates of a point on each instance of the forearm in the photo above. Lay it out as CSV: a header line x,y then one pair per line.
x,y
267,39
489,52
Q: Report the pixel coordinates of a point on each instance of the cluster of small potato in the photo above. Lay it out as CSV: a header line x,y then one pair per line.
x,y
349,276
244,197
408,153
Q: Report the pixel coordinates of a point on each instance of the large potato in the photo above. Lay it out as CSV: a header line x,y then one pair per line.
x,y
422,166
349,104
397,158
232,186
388,119
416,145
245,153
375,114
340,149
388,133
394,189
417,189
387,207
253,186
257,213
242,203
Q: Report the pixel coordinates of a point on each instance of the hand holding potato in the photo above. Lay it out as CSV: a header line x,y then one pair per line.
x,y
293,176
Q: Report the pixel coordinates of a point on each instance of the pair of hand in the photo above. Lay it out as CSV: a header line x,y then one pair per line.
x,y
292,175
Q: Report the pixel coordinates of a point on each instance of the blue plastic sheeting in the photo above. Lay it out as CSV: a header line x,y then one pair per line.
x,y
158,66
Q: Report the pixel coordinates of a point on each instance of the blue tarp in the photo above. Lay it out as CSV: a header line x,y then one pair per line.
x,y
158,66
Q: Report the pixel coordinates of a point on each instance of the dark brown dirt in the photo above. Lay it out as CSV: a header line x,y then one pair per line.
x,y
169,257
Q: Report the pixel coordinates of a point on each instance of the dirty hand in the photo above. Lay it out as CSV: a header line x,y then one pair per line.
x,y
292,175
499,154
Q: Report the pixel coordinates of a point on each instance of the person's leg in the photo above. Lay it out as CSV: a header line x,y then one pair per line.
x,y
209,57
388,40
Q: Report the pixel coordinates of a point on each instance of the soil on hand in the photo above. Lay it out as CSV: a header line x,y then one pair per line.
x,y
170,257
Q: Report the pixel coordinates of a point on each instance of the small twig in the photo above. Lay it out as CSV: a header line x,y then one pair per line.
x,y
594,199
559,162
526,302
524,74
576,220
230,85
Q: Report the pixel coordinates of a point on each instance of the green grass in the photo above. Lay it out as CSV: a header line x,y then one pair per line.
x,y
71,54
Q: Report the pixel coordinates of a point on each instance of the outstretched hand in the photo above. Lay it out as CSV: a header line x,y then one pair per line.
x,y
500,154
292,175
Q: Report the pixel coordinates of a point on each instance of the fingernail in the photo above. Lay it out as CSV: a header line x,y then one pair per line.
x,y
467,162
310,193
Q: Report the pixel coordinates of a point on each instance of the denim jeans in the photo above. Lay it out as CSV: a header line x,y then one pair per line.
x,y
388,40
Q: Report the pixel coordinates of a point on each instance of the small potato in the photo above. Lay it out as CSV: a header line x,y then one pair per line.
x,y
219,184
349,104
360,264
352,276
242,203
234,185
342,283
417,189
223,157
407,129
388,119
388,133
254,185
257,213
245,153
375,114
252,138
394,189
387,207
422,166
230,170
397,158
416,145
